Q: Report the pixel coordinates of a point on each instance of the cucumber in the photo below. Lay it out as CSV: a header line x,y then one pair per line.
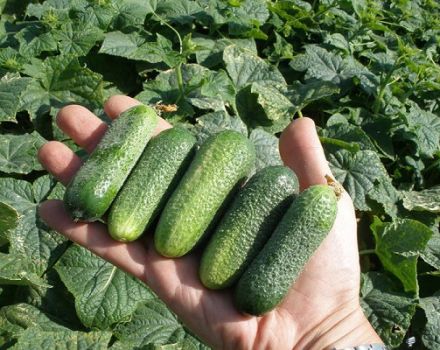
x,y
246,226
222,162
302,229
95,185
150,183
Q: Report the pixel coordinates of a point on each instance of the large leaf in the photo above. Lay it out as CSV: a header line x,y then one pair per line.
x,y
266,148
104,295
14,319
244,67
214,122
432,252
423,128
11,90
18,153
202,88
140,47
58,81
388,309
32,240
357,172
17,270
428,200
264,104
210,52
431,333
77,38
302,95
151,323
34,338
398,246
323,65
386,195
8,221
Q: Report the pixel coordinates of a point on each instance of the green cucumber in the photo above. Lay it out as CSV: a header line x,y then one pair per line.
x,y
221,163
150,183
302,229
247,225
95,185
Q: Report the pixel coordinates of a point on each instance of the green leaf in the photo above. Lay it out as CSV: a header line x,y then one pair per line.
x,y
35,39
386,195
425,200
246,19
266,148
398,246
244,67
431,254
151,323
140,47
209,52
349,133
58,81
11,89
264,104
33,241
129,14
202,87
323,65
77,38
104,295
214,122
271,99
302,95
18,153
14,319
388,309
34,338
423,128
180,11
8,221
17,270
357,173
431,333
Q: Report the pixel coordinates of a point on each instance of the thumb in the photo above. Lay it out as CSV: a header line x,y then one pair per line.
x,y
301,150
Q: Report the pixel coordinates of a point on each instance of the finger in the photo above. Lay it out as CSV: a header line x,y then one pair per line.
x,y
85,128
117,104
175,281
301,150
59,160
94,236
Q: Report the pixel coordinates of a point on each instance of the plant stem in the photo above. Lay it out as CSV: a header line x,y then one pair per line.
x,y
178,68
350,146
179,81
300,114
367,251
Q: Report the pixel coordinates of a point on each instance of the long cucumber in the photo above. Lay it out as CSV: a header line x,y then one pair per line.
x,y
96,184
224,160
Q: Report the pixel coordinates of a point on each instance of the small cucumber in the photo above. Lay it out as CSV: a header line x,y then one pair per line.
x,y
95,185
149,185
221,163
247,225
302,229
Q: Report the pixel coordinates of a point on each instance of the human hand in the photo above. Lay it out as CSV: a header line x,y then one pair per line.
x,y
322,309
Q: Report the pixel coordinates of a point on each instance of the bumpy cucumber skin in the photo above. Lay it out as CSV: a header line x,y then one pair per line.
x,y
95,185
247,225
150,183
302,229
224,160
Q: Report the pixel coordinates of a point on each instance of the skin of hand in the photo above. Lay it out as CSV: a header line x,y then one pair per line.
x,y
322,309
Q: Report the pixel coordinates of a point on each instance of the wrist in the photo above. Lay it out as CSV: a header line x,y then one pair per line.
x,y
345,327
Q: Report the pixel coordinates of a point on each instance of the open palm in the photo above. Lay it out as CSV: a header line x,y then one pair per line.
x,y
322,308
